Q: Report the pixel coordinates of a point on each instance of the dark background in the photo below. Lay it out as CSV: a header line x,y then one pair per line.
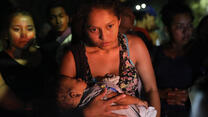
x,y
38,7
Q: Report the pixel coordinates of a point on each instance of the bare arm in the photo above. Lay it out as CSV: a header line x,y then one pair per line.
x,y
128,100
100,108
141,58
97,107
132,100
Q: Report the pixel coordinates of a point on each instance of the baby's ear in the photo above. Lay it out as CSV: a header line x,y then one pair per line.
x,y
74,94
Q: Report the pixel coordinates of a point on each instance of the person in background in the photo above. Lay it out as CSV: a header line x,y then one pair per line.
x,y
127,26
127,20
146,22
59,34
20,60
57,37
175,73
103,50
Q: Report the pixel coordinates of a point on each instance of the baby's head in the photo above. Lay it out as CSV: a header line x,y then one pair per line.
x,y
70,92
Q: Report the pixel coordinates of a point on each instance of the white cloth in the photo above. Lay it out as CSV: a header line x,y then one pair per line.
x,y
137,111
132,111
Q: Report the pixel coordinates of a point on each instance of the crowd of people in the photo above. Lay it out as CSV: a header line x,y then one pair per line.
x,y
103,61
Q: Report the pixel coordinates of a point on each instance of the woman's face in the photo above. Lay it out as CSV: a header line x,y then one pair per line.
x,y
102,28
181,28
21,30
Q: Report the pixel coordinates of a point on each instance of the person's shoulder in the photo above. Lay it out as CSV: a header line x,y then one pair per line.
x,y
134,40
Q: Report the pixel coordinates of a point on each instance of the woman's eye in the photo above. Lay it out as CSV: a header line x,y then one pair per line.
x,y
30,29
110,26
16,29
93,30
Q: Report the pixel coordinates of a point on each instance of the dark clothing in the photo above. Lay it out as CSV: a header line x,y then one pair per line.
x,y
50,48
173,73
24,81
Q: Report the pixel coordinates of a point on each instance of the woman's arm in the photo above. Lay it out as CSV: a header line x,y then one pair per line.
x,y
100,108
97,106
141,58
132,100
128,100
8,100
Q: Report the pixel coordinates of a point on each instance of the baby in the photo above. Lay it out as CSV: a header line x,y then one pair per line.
x,y
70,92
74,93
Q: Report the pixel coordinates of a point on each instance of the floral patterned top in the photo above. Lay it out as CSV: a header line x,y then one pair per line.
x,y
129,81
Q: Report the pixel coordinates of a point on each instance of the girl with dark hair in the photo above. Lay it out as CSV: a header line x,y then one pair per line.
x,y
173,68
103,50
19,80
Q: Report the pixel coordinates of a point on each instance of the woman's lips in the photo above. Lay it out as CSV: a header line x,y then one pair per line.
x,y
106,43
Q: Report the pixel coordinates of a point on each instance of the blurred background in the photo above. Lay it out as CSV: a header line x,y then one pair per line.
x,y
38,7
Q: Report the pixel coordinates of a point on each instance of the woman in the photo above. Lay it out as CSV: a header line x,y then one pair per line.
x,y
173,68
19,62
103,50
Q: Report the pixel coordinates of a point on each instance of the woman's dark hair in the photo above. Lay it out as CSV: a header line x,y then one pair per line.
x,y
172,9
79,20
5,33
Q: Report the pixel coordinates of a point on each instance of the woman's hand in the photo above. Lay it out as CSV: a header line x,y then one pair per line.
x,y
100,108
132,100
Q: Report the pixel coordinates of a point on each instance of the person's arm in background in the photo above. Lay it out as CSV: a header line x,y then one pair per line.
x,y
141,58
97,107
174,96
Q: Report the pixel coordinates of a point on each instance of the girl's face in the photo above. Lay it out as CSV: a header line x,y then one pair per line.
x,y
21,30
102,28
181,28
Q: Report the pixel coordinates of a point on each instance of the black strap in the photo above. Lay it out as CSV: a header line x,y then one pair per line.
x,y
78,52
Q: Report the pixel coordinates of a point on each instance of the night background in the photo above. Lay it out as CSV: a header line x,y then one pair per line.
x,y
38,7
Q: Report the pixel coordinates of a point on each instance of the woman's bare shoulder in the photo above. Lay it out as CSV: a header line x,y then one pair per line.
x,y
135,42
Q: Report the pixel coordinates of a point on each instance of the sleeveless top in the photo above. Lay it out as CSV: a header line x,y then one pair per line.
x,y
22,80
129,81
